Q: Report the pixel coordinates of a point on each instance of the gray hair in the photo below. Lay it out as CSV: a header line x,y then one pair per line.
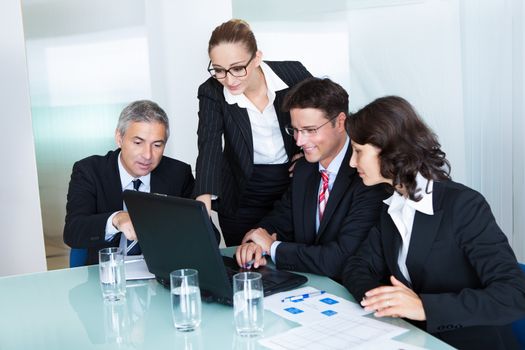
x,y
142,111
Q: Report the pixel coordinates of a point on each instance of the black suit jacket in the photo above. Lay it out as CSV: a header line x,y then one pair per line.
x,y
351,211
95,192
225,172
460,264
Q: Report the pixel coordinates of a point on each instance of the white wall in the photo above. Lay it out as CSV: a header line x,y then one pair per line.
x,y
21,236
413,50
518,239
494,94
406,48
178,34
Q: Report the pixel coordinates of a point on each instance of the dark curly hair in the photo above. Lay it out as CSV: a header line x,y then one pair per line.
x,y
407,144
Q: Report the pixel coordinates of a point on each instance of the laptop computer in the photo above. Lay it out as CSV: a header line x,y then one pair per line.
x,y
176,233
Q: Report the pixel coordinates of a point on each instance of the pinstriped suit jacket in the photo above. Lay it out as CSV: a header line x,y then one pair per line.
x,y
225,172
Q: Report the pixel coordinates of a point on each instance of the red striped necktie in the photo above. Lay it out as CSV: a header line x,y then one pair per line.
x,y
324,193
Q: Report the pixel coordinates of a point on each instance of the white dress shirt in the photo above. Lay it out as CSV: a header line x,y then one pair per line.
x,y
268,144
403,210
332,170
126,181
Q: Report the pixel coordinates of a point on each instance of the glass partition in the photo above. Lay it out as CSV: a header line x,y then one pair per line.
x,y
86,61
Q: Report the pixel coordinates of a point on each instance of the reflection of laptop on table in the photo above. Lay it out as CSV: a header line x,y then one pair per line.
x,y
176,233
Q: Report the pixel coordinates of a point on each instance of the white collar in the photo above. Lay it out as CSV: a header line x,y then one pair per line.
x,y
273,84
335,164
397,201
126,178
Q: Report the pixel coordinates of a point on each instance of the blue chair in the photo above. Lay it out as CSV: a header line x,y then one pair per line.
x,y
519,326
77,257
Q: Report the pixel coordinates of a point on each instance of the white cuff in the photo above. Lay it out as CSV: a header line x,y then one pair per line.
x,y
111,230
273,249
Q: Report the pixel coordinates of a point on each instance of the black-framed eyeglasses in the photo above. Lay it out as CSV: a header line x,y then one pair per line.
x,y
235,71
306,131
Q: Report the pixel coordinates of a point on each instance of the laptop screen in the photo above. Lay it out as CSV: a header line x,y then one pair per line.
x,y
176,233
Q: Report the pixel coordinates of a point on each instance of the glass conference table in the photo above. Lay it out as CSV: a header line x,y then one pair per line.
x,y
63,309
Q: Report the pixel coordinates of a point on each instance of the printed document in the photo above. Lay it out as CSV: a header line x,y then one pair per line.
x,y
310,309
136,268
347,331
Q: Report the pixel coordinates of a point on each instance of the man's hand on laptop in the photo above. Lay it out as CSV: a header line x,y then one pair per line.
x,y
261,237
254,247
250,254
122,222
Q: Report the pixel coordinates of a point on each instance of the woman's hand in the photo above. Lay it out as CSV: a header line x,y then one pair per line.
x,y
396,301
206,199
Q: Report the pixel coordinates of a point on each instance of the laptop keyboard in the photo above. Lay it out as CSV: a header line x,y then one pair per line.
x,y
273,280
232,268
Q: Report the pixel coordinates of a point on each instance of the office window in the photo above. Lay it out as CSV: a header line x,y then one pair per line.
x,y
86,61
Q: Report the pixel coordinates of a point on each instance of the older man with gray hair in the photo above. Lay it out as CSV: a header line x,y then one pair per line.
x,y
95,213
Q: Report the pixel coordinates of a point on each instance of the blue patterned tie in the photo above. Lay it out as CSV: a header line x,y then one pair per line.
x,y
135,250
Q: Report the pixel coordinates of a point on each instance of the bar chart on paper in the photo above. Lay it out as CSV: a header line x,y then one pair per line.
x,y
343,332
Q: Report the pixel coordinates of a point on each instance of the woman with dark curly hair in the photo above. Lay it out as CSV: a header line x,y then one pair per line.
x,y
437,256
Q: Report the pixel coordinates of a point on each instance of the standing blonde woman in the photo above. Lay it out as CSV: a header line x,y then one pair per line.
x,y
245,156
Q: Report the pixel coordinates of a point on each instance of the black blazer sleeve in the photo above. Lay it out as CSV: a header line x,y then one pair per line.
x,y
367,269
352,225
209,132
501,297
468,277
354,209
86,211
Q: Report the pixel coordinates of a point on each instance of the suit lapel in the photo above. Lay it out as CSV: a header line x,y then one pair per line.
x,y
310,205
392,242
341,184
424,232
114,192
240,117
242,120
157,181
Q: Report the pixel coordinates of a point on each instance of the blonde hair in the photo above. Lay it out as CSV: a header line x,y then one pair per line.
x,y
233,31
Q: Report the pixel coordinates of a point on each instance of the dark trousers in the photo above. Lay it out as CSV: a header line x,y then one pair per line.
x,y
267,185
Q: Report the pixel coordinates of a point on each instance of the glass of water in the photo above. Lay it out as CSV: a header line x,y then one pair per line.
x,y
248,307
111,272
185,299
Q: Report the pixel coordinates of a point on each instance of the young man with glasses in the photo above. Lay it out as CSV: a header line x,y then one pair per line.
x,y
327,211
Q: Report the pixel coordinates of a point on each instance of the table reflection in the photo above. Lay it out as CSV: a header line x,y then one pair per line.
x,y
121,323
